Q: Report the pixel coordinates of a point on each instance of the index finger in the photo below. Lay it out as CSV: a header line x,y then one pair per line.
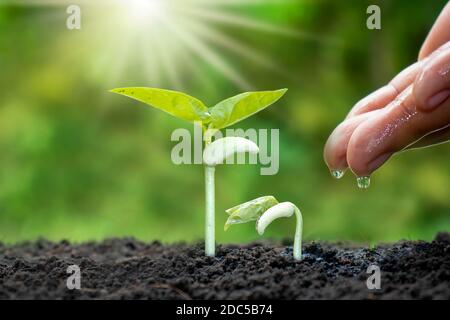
x,y
385,95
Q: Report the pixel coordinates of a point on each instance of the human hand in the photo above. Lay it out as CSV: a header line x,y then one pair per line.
x,y
412,111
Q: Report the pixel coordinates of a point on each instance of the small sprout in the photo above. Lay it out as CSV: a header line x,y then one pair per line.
x,y
284,209
265,210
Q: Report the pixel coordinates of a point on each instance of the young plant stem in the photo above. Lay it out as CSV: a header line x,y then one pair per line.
x,y
210,224
210,246
282,210
298,235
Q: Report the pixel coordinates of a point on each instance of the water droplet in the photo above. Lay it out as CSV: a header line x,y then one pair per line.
x,y
337,174
363,182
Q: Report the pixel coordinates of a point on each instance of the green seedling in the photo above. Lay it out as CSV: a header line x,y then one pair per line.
x,y
214,154
211,119
265,210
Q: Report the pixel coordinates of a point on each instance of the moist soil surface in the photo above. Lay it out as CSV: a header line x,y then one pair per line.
x,y
130,269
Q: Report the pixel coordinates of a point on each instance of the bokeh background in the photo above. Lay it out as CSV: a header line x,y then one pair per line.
x,y
79,163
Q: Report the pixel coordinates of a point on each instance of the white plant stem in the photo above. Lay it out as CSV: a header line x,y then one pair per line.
x,y
210,214
210,245
216,153
298,235
286,210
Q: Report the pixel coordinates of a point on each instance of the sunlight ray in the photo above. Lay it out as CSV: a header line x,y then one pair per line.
x,y
201,49
228,18
150,65
36,2
168,61
159,36
221,3
239,21
219,38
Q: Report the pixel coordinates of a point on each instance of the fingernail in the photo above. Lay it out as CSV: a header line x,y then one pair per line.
x,y
437,99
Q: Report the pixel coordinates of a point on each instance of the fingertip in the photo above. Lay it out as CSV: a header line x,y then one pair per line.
x,y
429,91
336,147
334,154
363,157
357,155
438,35
437,99
432,83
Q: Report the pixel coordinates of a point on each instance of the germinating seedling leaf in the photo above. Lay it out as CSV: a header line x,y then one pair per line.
x,y
249,211
177,104
223,114
265,210
237,108
222,149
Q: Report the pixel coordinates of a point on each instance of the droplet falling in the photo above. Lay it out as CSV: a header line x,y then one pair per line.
x,y
363,182
337,174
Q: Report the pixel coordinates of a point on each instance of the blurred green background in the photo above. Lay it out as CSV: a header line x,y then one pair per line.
x,y
79,163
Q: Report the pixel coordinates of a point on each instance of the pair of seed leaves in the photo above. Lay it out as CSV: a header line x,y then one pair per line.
x,y
183,106
249,211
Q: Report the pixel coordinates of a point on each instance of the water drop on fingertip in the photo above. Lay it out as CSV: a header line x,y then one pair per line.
x,y
337,174
363,182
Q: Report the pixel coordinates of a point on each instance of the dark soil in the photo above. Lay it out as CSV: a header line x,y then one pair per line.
x,y
129,269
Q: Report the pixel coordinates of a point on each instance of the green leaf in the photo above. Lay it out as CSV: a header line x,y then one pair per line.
x,y
249,211
237,108
177,104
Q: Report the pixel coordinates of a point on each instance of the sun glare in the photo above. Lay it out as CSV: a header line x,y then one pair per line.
x,y
170,38
143,12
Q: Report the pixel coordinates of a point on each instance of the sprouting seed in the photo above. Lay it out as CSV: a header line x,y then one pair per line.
x,y
222,149
265,210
